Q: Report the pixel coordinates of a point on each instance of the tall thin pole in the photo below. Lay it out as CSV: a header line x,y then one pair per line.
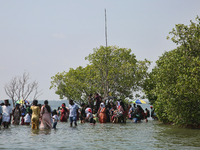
x,y
106,28
106,69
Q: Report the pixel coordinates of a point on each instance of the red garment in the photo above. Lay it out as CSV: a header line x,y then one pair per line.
x,y
102,116
22,121
63,117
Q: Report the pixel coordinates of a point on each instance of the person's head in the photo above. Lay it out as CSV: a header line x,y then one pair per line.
x,y
6,102
71,102
47,106
121,104
23,114
151,107
34,103
46,102
90,95
54,112
102,105
97,94
134,104
40,105
17,106
83,105
63,105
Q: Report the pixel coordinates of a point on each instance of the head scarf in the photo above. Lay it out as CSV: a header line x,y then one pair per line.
x,y
102,105
88,110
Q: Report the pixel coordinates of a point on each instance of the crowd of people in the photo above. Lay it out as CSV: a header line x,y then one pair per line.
x,y
42,116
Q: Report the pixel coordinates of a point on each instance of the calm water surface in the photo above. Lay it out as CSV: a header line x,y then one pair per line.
x,y
151,135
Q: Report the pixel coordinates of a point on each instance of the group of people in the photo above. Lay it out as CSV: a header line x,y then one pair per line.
x,y
41,116
110,112
36,115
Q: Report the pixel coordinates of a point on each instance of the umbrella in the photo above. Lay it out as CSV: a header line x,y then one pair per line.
x,y
26,101
20,101
139,101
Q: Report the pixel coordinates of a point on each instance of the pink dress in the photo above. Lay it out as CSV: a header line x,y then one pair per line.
x,y
46,119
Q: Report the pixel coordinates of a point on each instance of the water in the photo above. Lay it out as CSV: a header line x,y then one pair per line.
x,y
151,135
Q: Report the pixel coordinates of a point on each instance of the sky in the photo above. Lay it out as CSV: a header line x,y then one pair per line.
x,y
45,37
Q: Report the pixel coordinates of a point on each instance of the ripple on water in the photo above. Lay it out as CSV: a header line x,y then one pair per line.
x,y
149,135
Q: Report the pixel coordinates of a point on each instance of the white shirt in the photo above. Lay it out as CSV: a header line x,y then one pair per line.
x,y
73,110
27,118
89,114
6,111
55,118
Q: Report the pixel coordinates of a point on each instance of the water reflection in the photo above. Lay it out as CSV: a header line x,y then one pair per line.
x,y
172,137
41,131
151,135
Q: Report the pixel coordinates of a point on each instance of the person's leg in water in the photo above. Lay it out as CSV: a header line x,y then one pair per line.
x,y
5,124
94,122
74,119
70,119
135,120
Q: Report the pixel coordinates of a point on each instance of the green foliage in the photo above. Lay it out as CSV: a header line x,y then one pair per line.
x,y
112,71
148,85
176,78
75,84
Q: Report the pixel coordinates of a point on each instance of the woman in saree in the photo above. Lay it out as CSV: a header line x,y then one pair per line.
x,y
16,115
102,113
35,115
64,112
46,116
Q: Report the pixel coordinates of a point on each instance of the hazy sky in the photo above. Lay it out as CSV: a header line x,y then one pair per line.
x,y
46,37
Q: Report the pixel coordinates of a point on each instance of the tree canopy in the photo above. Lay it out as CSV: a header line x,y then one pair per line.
x,y
175,79
112,71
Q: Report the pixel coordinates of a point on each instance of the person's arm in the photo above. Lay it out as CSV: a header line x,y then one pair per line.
x,y
77,109
41,112
10,110
87,117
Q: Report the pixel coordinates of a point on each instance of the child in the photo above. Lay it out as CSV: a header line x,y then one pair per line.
x,y
22,120
55,118
27,119
89,116
95,118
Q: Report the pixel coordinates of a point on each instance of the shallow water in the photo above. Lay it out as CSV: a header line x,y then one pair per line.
x,y
151,135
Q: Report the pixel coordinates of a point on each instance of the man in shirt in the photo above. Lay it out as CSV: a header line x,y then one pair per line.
x,y
6,113
73,110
